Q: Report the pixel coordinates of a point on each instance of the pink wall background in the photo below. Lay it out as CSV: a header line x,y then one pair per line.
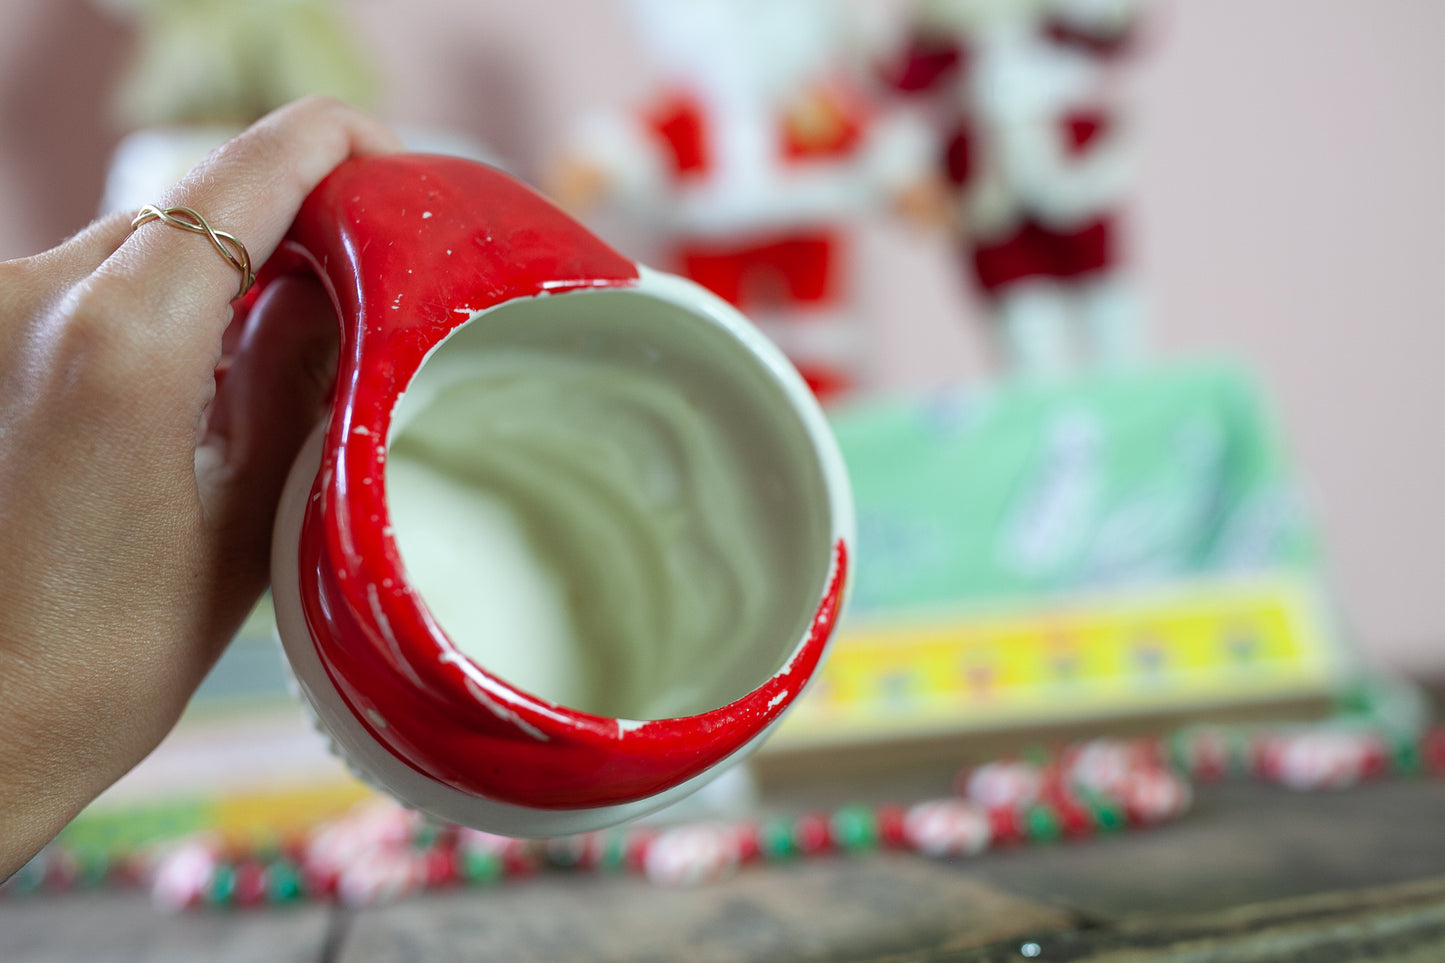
x,y
1290,213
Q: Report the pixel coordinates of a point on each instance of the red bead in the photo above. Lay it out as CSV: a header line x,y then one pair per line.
x,y
1007,826
1264,758
1051,789
1432,750
1074,819
1375,761
439,868
293,849
317,883
61,869
250,883
890,826
128,871
1210,768
638,841
520,859
593,849
812,833
747,841
1055,793
1152,752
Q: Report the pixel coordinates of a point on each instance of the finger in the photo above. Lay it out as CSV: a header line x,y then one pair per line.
x,y
43,278
273,395
83,252
251,187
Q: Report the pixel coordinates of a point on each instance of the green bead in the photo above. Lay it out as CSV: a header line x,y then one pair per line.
x,y
1041,824
1405,757
1037,755
1356,699
426,834
1108,816
283,883
481,867
91,867
1240,743
855,827
223,884
614,851
775,840
27,878
1180,749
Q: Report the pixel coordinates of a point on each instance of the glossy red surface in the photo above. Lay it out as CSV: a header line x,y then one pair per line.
x,y
409,246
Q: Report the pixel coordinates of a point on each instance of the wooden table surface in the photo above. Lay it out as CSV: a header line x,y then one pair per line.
x,y
1252,873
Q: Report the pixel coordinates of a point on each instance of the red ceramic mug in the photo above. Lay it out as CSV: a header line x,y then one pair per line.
x,y
573,536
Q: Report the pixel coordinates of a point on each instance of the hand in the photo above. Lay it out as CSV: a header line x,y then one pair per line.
x,y
576,185
136,497
929,205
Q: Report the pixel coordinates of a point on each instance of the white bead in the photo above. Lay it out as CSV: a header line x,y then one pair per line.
x,y
948,827
688,855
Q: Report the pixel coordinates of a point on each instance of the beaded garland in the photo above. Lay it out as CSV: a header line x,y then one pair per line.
x,y
381,851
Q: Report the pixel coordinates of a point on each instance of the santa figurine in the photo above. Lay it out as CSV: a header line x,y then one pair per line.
x,y
1038,158
750,161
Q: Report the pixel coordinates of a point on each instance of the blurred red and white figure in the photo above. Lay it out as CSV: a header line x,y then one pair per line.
x,y
749,161
1036,149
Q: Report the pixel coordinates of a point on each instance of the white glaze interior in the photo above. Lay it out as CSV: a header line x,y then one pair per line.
x,y
378,765
607,499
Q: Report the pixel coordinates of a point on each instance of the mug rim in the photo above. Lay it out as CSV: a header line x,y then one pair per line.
x,y
441,671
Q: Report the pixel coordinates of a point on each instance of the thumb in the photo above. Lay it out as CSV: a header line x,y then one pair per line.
x,y
271,398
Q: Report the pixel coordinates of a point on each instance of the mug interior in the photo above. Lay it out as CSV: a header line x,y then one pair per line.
x,y
609,500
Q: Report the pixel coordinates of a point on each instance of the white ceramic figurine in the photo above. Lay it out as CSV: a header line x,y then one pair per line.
x,y
1038,153
754,154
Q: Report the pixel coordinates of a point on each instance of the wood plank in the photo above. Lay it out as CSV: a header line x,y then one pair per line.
x,y
823,910
1403,923
123,927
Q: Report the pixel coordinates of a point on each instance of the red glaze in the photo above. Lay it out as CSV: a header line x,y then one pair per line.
x,y
409,246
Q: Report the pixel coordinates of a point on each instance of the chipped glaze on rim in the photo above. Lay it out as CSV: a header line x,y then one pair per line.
x,y
411,247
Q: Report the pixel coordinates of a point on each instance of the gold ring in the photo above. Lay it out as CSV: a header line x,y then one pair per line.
x,y
229,246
